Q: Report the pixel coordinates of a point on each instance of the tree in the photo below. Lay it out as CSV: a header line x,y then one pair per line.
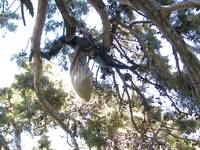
x,y
128,51
20,111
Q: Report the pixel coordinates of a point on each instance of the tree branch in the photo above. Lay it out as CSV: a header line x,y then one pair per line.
x,y
37,65
137,36
101,9
178,6
161,21
130,102
70,22
178,137
22,12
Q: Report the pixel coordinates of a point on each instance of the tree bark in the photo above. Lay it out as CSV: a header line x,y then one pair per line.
x,y
160,18
37,66
17,138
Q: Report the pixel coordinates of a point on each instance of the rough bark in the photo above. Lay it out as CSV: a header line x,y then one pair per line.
x,y
159,15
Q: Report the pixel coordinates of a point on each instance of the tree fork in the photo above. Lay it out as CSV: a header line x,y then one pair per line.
x,y
160,17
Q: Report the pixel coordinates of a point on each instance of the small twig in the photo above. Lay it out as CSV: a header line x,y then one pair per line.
x,y
177,61
138,37
117,89
178,137
27,44
139,22
16,9
130,102
22,12
97,74
123,54
162,89
10,5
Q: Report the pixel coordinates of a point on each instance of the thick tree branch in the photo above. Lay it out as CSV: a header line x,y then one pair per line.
x,y
101,9
37,65
162,23
70,22
178,6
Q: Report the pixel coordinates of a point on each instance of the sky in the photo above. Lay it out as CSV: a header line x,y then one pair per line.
x,y
12,43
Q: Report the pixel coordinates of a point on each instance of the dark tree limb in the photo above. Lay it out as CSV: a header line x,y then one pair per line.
x,y
69,21
95,52
28,5
84,43
22,12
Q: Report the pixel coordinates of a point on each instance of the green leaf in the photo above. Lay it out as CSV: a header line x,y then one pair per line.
x,y
187,126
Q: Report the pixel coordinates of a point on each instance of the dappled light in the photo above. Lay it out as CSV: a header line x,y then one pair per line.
x,y
133,67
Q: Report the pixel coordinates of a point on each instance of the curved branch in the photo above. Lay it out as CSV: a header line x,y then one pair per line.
x,y
101,9
178,6
161,21
37,65
70,22
130,102
137,36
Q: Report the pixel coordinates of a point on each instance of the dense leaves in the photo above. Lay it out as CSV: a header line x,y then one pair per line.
x,y
19,106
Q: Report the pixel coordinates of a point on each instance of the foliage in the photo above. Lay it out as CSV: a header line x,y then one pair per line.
x,y
20,108
153,106
7,15
44,143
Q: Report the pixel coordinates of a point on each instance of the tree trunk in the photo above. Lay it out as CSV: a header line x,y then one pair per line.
x,y
17,138
37,66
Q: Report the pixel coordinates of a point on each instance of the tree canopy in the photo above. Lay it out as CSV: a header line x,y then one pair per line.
x,y
132,95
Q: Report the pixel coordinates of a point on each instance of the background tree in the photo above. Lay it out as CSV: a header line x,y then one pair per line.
x,y
20,111
123,111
